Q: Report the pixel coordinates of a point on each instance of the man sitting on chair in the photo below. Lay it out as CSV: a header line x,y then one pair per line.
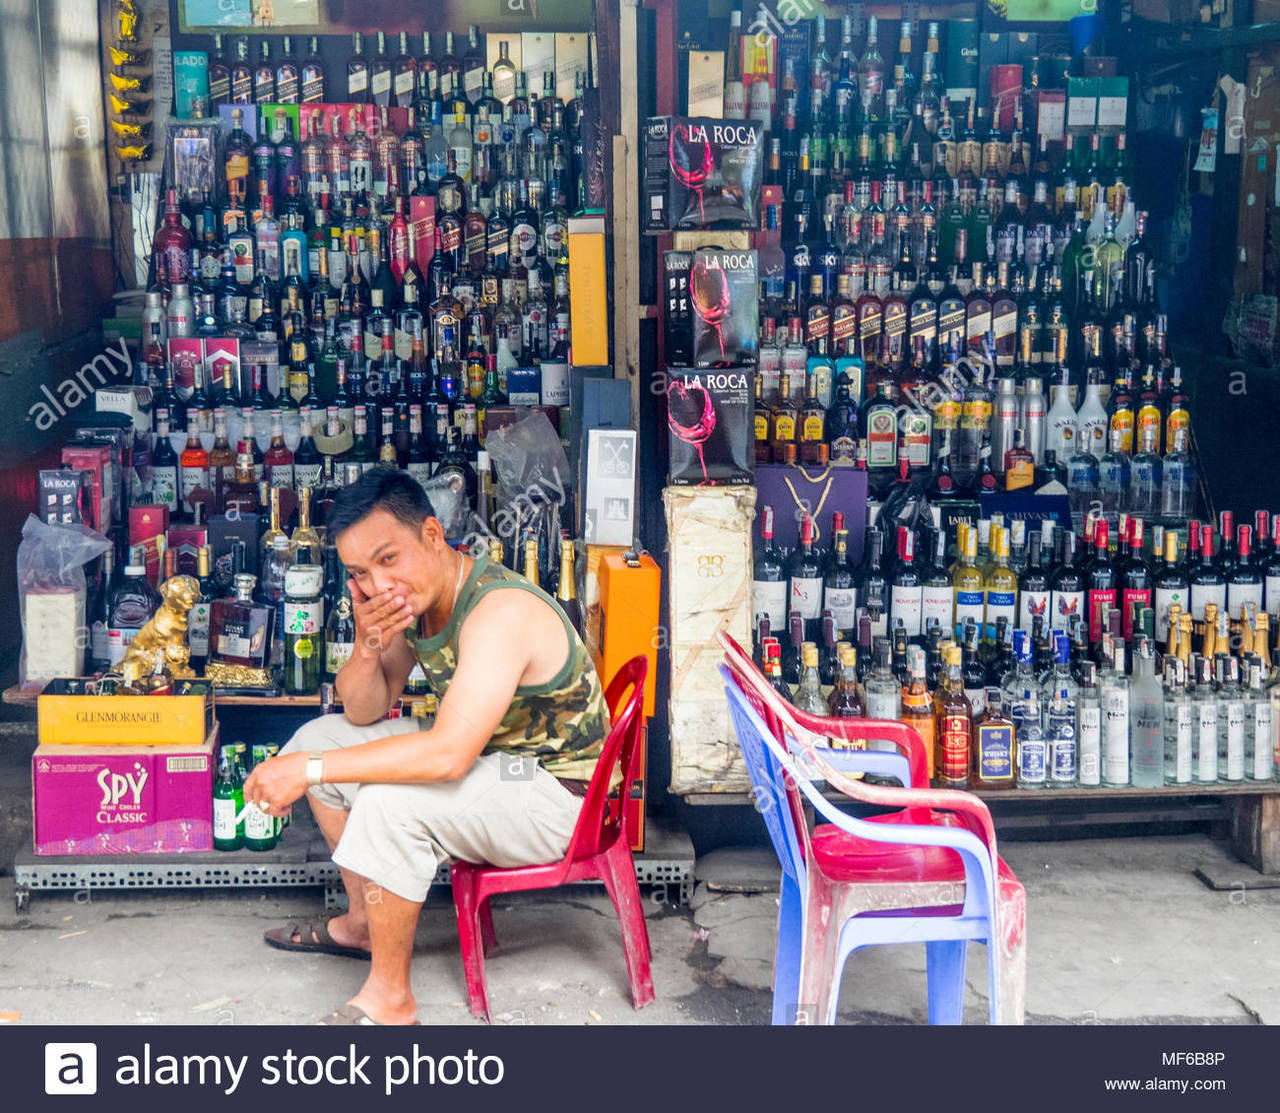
x,y
498,777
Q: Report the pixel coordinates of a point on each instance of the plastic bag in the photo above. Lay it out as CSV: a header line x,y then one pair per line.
x,y
533,484
51,598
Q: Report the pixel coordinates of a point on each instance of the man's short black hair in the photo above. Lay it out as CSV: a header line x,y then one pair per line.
x,y
380,488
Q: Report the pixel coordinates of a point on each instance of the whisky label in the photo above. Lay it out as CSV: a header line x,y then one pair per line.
x,y
811,429
1031,760
956,741
784,428
995,753
1020,474
1062,753
198,629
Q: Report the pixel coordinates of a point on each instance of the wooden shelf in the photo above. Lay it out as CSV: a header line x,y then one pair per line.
x,y
20,698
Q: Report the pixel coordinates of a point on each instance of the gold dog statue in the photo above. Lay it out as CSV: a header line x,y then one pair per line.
x,y
166,628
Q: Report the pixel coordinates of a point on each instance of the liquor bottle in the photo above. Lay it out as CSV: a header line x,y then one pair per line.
x,y
839,591
133,602
165,483
845,701
955,728
339,634
1179,484
808,691
970,588
264,75
1000,587
1231,719
804,572
566,590
773,670
1019,463
917,706
1148,745
1172,588
1089,728
228,803
1100,580
1092,419
196,487
1029,732
1245,582
1259,754
241,74
1178,716
1033,586
1116,699
883,691
1133,577
872,586
303,628
906,589
1061,743
1204,701
993,748
793,639
357,71
313,75
937,599
1208,586
198,616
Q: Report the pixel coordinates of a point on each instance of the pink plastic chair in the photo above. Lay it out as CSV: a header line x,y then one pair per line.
x,y
599,849
926,872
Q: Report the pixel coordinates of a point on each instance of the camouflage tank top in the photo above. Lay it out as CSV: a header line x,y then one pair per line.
x,y
563,723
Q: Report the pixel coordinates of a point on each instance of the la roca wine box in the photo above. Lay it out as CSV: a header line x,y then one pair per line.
x,y
701,172
709,423
724,304
123,800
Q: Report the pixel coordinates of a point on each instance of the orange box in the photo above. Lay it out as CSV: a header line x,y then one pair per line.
x,y
630,596
588,293
124,720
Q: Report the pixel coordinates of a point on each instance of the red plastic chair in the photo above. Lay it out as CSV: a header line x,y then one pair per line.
x,y
600,849
928,872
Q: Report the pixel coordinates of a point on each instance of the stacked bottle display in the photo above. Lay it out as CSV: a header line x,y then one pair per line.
x,y
1111,658
307,251
965,259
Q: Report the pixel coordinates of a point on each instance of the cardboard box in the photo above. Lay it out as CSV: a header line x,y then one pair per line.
x,y
588,292
538,57
123,720
65,496
1082,102
96,461
706,83
572,49
709,542
135,800
630,597
1113,102
609,497
702,172
132,401
147,524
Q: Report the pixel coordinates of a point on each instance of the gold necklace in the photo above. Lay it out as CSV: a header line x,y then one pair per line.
x,y
813,514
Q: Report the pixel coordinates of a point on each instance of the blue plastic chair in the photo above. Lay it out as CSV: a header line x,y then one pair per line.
x,y
848,886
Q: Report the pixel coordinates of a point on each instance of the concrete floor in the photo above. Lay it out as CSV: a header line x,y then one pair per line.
x,y
1119,931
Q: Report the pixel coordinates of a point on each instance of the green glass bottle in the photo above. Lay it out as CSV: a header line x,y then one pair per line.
x,y
228,799
303,628
259,828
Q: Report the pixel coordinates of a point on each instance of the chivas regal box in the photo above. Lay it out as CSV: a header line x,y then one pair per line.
x,y
123,800
709,425
701,172
709,541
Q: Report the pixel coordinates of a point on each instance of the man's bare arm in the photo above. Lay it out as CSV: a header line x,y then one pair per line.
x,y
491,665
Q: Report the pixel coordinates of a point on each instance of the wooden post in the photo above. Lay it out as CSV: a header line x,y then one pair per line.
x,y
1255,832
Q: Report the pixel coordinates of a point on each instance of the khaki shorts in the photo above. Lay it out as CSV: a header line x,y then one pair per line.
x,y
505,811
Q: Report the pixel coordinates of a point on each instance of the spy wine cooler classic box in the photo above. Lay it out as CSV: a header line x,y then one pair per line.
x,y
123,800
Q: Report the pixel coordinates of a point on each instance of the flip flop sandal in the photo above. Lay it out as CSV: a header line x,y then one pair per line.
x,y
313,935
350,1015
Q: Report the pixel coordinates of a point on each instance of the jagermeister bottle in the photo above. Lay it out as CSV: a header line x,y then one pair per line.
x,y
303,628
339,635
259,828
228,800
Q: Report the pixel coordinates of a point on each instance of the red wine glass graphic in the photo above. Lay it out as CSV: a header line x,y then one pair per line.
x,y
682,402
687,171
709,292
